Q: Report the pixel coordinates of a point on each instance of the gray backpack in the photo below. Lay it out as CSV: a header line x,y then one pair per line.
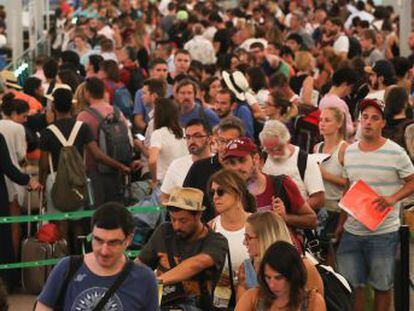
x,y
112,138
69,189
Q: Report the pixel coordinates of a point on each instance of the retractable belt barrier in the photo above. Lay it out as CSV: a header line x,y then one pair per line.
x,y
63,216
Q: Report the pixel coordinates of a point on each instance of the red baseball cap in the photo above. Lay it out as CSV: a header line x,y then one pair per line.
x,y
379,105
239,147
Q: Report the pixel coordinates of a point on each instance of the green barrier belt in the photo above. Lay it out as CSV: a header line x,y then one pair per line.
x,y
71,215
49,262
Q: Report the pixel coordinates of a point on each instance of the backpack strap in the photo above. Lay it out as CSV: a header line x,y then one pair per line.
x,y
54,129
95,113
302,163
118,282
279,191
75,262
74,133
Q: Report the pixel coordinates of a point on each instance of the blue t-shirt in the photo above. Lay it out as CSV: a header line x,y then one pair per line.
x,y
137,293
140,108
245,115
210,116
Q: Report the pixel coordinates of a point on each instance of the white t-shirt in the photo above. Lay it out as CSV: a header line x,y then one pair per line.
x,y
15,137
176,173
238,252
170,147
341,45
312,182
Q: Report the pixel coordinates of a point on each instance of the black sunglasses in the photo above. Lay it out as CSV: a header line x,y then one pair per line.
x,y
220,192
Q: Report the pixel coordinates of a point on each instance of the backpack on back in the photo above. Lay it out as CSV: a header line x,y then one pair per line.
x,y
69,189
122,99
306,128
112,138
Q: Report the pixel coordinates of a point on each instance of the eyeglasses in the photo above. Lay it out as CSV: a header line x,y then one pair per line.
x,y
220,192
195,137
110,243
223,141
248,238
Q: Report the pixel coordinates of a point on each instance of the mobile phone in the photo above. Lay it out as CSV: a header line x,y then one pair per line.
x,y
140,137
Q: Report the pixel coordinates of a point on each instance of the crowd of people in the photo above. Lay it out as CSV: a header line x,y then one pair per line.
x,y
250,119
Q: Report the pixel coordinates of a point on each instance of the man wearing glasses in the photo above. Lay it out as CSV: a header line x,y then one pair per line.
x,y
112,231
200,171
198,139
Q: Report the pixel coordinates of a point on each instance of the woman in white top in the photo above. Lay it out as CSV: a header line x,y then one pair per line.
x,y
332,127
167,141
14,112
233,204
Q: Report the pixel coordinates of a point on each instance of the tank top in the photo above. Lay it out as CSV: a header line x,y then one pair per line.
x,y
303,307
238,252
332,165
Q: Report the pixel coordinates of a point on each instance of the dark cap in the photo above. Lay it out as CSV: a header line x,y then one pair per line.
x,y
239,147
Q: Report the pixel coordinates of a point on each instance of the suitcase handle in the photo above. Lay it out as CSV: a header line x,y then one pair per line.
x,y
29,209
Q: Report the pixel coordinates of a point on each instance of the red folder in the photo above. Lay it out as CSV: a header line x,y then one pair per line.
x,y
358,202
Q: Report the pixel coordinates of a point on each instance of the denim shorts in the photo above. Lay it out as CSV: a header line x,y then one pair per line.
x,y
368,259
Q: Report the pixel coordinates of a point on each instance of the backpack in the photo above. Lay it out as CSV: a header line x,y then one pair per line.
x,y
354,47
122,99
112,138
69,189
402,134
306,128
337,291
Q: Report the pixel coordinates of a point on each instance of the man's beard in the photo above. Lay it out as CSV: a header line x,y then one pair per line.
x,y
281,158
197,150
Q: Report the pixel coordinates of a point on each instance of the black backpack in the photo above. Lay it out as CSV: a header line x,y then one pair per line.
x,y
337,290
112,138
306,128
355,49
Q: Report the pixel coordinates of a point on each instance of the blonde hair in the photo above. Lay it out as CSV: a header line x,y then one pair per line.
x,y
269,228
80,99
303,61
339,117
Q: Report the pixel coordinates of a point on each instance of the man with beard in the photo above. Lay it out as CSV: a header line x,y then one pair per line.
x,y
185,93
370,52
198,139
242,155
227,106
381,76
368,256
333,35
285,158
188,256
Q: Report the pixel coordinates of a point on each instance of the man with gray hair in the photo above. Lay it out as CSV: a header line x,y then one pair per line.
x,y
288,159
200,48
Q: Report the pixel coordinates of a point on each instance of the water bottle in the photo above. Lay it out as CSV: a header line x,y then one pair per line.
x,y
89,189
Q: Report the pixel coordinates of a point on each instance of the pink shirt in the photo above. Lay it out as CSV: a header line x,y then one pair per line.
x,y
332,100
104,109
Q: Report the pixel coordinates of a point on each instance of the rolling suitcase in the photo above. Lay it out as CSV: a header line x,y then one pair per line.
x,y
34,278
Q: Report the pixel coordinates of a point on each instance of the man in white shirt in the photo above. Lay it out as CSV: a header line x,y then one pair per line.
x,y
200,48
334,34
285,158
198,139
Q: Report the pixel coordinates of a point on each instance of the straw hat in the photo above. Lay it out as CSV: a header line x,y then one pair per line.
x,y
10,79
189,199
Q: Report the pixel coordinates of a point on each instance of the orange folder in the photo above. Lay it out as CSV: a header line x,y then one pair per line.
x,y
358,202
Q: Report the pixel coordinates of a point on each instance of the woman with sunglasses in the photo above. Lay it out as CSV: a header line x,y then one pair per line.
x,y
282,283
262,230
233,204
332,127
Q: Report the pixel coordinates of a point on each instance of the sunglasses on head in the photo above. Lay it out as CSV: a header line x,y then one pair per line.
x,y
220,192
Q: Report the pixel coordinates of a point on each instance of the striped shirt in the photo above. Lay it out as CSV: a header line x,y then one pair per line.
x,y
383,170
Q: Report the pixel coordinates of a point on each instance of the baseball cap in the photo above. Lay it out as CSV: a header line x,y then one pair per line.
x,y
382,68
365,103
239,147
